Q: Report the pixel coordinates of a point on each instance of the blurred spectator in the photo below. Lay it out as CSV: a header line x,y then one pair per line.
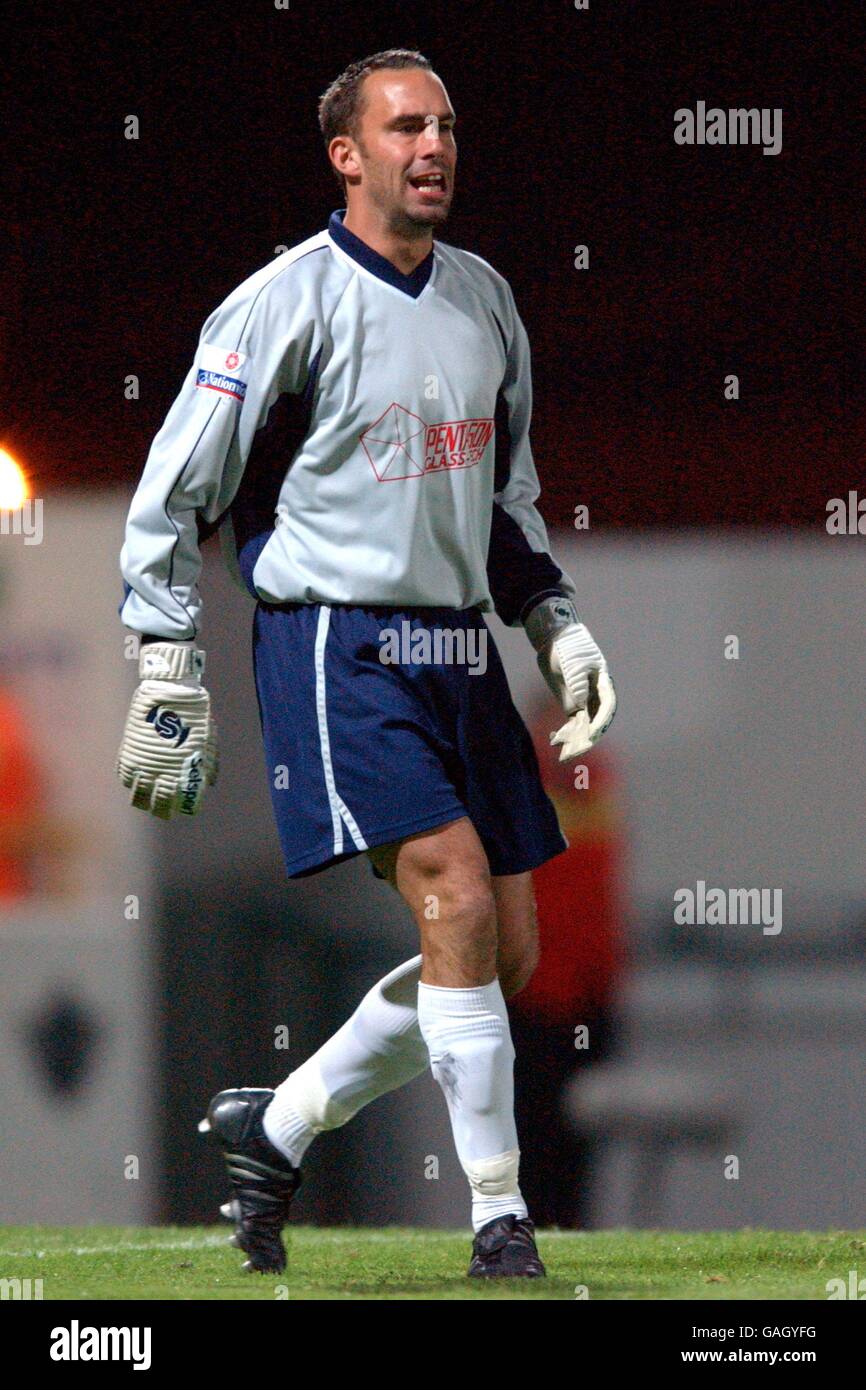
x,y
20,796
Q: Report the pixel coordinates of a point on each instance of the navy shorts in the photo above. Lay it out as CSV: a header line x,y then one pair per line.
x,y
360,752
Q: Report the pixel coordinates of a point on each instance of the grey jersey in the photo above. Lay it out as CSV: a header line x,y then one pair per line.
x,y
358,436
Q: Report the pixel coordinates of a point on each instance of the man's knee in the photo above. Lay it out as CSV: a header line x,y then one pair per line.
x,y
435,888
435,879
456,914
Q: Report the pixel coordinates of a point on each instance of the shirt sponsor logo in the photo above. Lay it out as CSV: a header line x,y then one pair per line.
x,y
401,445
219,369
225,385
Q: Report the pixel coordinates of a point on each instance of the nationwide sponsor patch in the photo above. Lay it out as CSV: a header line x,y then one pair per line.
x,y
222,370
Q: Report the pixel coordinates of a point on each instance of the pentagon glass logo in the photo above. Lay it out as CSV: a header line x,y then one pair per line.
x,y
401,445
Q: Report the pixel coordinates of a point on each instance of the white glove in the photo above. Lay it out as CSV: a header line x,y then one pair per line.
x,y
169,749
575,670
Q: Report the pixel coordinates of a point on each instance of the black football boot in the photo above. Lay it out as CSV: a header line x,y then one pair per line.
x,y
505,1248
263,1181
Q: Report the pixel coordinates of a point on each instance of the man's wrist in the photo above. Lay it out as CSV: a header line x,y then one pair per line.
x,y
547,617
168,660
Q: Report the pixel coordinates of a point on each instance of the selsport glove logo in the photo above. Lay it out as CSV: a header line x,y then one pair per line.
x,y
168,724
402,445
218,370
190,783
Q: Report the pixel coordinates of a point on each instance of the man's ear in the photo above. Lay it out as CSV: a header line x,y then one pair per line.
x,y
344,156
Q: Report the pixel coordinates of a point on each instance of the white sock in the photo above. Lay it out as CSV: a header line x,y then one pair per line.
x,y
378,1049
472,1056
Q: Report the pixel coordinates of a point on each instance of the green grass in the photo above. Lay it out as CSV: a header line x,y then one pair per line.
x,y
195,1262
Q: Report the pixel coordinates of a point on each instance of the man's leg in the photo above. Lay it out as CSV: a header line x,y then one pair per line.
x,y
444,877
381,1048
516,931
460,1020
377,1050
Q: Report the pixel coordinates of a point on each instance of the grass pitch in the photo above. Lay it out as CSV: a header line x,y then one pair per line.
x,y
196,1262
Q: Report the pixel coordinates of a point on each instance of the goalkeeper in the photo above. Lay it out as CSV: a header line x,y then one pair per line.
x,y
356,424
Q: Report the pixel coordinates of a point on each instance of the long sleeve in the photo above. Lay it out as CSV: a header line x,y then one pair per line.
x,y
195,465
520,568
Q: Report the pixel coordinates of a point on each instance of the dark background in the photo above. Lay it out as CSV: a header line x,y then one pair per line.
x,y
704,260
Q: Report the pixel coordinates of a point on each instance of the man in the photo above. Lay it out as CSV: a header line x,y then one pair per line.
x,y
356,422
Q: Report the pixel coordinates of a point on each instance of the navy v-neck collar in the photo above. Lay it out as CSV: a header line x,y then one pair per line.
x,y
411,284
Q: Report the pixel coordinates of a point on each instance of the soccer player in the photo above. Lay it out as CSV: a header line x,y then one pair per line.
x,y
356,423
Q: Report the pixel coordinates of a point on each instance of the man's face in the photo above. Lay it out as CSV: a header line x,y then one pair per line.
x,y
406,166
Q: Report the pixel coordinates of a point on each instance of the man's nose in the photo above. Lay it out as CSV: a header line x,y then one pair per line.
x,y
430,135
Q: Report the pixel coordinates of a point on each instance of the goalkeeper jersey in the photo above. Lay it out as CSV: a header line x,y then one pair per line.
x,y
357,436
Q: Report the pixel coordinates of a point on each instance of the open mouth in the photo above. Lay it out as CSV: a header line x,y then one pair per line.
x,y
431,183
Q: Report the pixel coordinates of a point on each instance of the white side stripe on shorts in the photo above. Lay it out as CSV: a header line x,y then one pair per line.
x,y
339,810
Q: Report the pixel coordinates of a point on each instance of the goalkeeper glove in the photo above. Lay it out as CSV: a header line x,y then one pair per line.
x,y
169,749
575,671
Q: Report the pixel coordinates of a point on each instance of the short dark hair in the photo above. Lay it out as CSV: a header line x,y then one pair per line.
x,y
342,105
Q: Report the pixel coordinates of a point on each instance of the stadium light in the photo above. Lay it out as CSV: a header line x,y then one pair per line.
x,y
13,483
